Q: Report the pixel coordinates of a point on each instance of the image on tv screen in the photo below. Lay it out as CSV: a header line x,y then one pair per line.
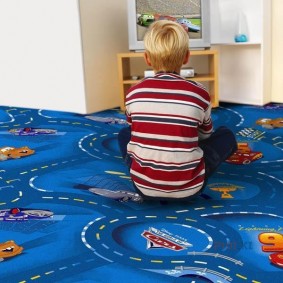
x,y
185,12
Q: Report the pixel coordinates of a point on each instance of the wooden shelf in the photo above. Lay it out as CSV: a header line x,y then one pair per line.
x,y
211,77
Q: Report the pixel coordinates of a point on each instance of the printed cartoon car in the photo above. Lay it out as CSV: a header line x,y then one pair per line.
x,y
273,106
276,259
9,249
145,19
122,196
158,17
188,25
107,120
244,155
270,123
32,131
12,152
20,214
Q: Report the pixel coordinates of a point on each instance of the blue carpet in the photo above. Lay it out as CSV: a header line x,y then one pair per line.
x,y
69,206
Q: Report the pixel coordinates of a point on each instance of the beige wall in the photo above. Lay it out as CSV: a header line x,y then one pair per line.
x,y
277,50
104,34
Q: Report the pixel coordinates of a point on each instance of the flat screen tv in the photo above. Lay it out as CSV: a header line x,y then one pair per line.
x,y
193,15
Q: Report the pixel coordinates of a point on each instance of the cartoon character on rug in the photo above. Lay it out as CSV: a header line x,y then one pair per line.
x,y
268,123
9,249
244,155
14,153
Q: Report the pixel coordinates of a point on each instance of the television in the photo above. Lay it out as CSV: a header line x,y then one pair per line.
x,y
193,15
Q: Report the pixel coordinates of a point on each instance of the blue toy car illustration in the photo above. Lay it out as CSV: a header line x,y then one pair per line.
x,y
21,214
32,131
188,25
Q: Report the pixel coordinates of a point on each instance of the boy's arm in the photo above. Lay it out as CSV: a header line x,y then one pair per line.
x,y
206,128
128,118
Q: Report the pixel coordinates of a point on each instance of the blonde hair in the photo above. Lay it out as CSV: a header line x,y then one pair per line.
x,y
166,45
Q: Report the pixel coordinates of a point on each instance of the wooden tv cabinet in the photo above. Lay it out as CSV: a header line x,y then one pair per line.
x,y
211,77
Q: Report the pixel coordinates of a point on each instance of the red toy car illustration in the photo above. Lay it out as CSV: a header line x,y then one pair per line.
x,y
9,249
244,155
159,17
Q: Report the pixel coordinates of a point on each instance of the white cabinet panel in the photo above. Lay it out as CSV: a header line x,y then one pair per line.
x,y
244,68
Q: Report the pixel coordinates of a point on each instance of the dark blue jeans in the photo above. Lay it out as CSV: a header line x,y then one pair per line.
x,y
216,149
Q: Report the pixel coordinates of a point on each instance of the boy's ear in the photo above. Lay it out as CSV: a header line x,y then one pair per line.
x,y
147,60
186,59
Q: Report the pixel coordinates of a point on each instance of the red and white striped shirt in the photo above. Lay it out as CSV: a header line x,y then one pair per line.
x,y
168,115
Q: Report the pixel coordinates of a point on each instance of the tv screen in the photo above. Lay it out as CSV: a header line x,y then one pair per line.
x,y
193,15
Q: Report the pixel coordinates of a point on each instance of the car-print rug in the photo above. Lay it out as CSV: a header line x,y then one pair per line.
x,y
69,212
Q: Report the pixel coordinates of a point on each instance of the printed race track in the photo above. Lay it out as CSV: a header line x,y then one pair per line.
x,y
91,238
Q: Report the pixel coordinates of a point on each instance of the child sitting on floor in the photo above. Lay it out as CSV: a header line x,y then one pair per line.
x,y
170,145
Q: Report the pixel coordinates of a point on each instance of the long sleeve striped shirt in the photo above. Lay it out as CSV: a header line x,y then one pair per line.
x,y
168,116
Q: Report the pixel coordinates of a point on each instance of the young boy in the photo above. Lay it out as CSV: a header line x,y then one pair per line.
x,y
170,146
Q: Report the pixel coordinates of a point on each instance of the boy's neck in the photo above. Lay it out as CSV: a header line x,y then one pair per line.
x,y
167,72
